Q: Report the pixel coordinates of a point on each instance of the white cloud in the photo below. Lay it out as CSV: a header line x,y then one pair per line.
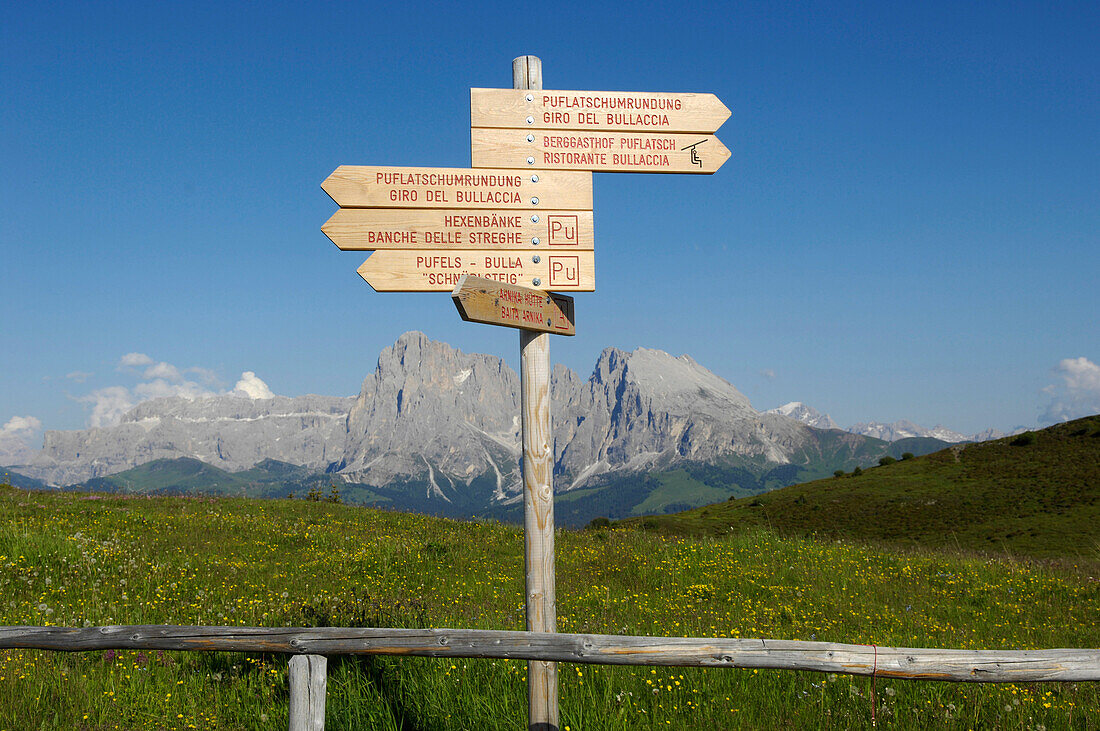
x,y
108,405
158,379
160,388
134,360
1080,374
21,426
163,370
205,375
1078,393
79,376
252,387
15,439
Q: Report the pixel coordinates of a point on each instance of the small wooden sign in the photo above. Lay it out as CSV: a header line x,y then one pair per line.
x,y
367,186
494,303
439,271
596,110
609,152
370,229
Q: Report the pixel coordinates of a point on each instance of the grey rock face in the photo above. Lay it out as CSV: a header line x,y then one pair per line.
x,y
904,429
431,410
806,414
648,408
231,432
990,434
432,415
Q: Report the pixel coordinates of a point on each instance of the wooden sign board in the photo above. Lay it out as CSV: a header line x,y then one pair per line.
x,y
495,303
609,152
370,229
366,186
439,271
596,110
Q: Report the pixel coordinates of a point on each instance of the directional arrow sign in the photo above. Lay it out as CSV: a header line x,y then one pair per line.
x,y
441,228
435,271
596,110
495,303
614,152
361,186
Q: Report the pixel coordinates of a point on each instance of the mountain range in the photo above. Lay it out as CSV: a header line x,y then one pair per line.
x,y
891,432
438,430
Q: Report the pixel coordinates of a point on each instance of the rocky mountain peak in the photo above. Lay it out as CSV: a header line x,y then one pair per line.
x,y
676,383
429,407
647,407
806,414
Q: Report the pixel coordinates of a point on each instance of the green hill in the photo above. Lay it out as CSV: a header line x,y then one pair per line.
x,y
916,446
267,479
1035,494
693,484
168,476
9,477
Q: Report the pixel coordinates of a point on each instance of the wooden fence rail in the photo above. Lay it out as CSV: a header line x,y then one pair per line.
x,y
972,666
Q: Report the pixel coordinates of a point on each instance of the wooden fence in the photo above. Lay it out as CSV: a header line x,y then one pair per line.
x,y
310,645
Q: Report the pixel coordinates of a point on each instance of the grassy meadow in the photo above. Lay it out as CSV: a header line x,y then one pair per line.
x,y
79,559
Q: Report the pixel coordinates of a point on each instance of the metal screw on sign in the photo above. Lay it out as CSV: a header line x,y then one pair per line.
x,y
534,219
530,138
535,259
535,201
530,120
530,161
535,241
530,98
536,281
534,178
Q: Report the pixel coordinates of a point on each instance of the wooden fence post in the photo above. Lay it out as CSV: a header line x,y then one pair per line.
x,y
538,487
307,692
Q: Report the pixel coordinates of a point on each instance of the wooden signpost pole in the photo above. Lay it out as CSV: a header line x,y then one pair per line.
x,y
538,486
469,230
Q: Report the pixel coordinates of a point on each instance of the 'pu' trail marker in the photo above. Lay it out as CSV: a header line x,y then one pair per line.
x,y
371,229
439,271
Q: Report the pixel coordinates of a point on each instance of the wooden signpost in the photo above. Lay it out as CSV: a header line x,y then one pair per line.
x,y
505,234
427,270
368,186
370,229
494,303
430,226
601,131
596,110
607,152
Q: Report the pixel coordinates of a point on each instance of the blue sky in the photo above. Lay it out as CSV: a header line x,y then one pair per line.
x,y
908,226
